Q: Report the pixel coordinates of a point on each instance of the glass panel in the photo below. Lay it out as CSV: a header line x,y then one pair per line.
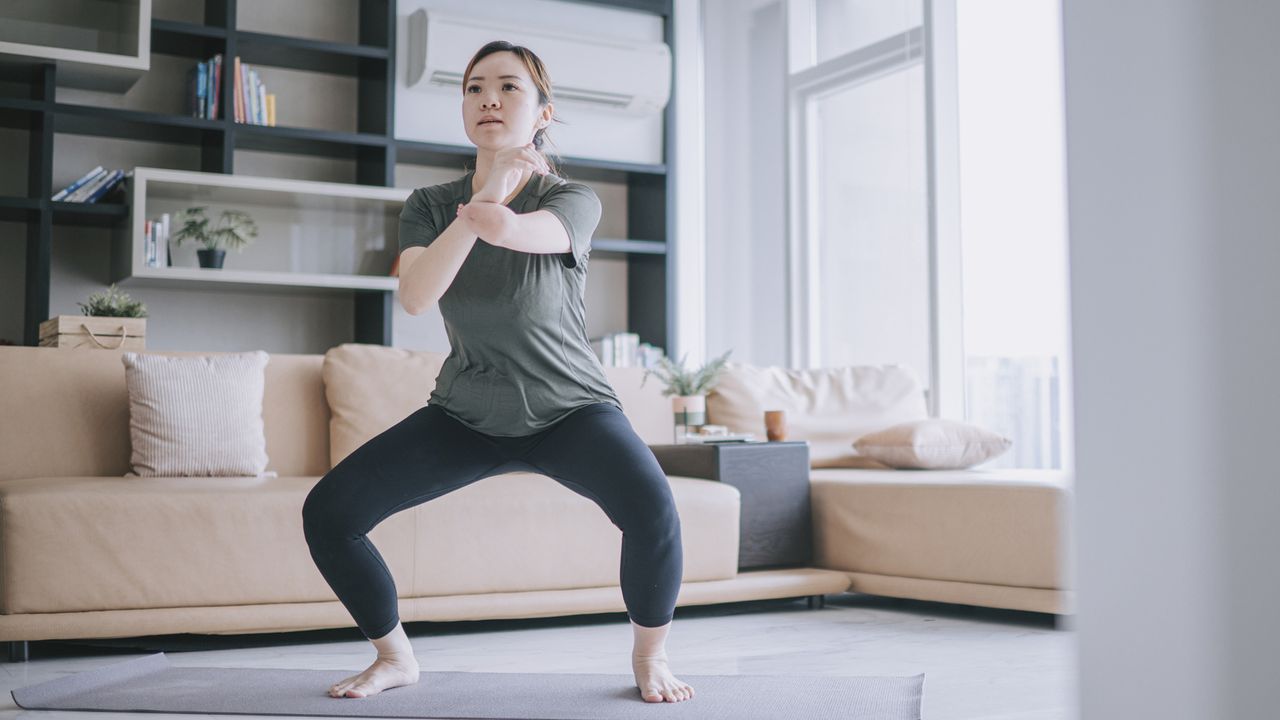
x,y
1013,225
844,25
871,243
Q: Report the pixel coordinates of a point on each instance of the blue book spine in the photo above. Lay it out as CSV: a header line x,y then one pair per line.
x,y
64,192
202,89
83,192
208,96
106,187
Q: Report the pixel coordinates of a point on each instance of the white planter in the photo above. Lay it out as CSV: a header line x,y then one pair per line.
x,y
689,413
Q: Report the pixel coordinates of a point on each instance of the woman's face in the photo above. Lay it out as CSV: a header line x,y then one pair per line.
x,y
500,87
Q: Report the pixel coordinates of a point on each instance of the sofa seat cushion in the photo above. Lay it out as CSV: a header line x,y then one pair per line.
x,y
105,543
989,526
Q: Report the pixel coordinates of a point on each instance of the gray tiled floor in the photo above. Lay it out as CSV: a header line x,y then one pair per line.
x,y
978,662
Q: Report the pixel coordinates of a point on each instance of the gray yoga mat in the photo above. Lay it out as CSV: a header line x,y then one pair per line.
x,y
151,684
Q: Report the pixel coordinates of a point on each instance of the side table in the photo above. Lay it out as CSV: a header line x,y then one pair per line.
x,y
775,527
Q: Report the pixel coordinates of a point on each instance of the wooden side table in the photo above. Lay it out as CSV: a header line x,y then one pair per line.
x,y
776,526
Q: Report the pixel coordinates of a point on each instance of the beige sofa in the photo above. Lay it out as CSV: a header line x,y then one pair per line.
x,y
87,552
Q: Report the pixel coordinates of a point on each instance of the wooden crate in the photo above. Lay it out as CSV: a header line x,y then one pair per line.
x,y
87,331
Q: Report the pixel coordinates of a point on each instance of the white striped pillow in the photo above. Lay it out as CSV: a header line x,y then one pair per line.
x,y
196,414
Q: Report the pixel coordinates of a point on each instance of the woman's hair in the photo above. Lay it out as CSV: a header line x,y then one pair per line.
x,y
541,79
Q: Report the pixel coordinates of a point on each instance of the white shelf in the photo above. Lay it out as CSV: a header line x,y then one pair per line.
x,y
311,235
96,44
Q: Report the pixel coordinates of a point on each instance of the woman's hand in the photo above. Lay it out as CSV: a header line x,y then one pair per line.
x,y
493,222
509,165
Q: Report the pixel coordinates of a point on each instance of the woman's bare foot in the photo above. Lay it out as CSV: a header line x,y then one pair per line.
x,y
649,661
394,666
384,674
656,682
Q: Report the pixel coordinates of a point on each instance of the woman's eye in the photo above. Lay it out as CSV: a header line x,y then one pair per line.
x,y
473,87
510,85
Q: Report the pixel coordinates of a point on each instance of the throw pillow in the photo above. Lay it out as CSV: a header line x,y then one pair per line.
x,y
372,387
196,415
828,407
933,444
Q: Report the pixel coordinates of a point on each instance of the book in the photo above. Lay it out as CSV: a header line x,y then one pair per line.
x,y
246,107
88,188
164,246
215,103
262,100
271,109
105,187
202,90
237,95
255,116
87,177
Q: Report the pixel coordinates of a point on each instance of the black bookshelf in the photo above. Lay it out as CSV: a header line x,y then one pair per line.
x,y
373,147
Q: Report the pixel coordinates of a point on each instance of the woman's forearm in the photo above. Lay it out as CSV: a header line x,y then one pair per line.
x,y
431,274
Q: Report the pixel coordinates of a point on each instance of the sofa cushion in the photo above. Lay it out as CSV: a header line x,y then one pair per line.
x,y
372,387
74,411
828,407
996,526
199,415
104,543
932,444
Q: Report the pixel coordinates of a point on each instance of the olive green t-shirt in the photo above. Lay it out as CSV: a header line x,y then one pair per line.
x,y
519,358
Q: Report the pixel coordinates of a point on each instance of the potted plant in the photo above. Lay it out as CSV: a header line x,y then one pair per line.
x,y
107,316
233,229
688,388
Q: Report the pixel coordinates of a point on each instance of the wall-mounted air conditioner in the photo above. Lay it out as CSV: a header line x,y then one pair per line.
x,y
628,76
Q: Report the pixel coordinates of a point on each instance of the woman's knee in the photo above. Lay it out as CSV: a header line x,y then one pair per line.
x,y
655,512
323,513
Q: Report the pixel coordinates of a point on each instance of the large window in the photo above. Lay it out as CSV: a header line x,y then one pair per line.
x,y
871,256
1013,226
845,25
860,226
927,211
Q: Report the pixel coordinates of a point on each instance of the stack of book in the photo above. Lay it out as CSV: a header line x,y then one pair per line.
x,y
624,349
91,186
155,244
251,103
204,80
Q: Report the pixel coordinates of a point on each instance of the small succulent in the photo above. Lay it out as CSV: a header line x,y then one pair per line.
x,y
113,303
681,381
233,229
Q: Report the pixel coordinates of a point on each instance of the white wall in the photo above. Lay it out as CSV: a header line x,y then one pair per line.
x,y
1171,115
746,301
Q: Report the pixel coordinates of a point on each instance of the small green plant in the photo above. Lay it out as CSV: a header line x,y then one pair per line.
x,y
233,229
113,303
681,381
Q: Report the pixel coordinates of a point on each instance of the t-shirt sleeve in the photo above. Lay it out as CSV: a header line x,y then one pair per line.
x,y
578,208
417,222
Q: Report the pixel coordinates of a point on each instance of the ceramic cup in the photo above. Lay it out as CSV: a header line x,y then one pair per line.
x,y
775,425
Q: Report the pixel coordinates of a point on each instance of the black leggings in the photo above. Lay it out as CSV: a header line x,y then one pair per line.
x,y
594,451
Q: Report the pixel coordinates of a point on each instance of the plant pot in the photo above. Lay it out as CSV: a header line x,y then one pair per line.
x,y
689,413
211,258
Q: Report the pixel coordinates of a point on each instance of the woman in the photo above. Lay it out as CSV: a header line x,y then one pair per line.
x,y
503,250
